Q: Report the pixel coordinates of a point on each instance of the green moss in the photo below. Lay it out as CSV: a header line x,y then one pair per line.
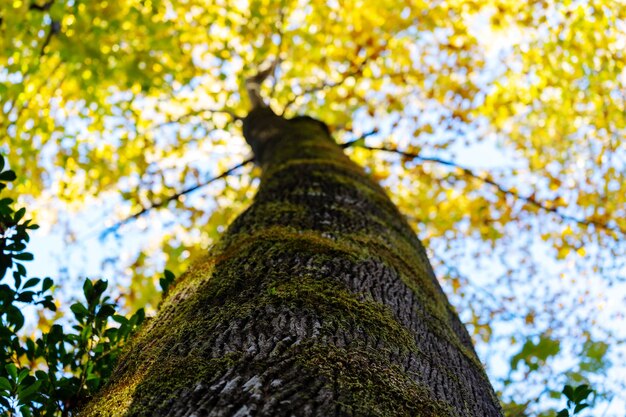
x,y
179,373
330,172
337,306
369,385
401,256
315,164
356,247
256,266
293,147
165,381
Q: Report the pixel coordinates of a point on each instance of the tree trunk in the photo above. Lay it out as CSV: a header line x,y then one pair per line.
x,y
318,301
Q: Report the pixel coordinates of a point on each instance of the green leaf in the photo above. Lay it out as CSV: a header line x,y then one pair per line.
x,y
47,284
99,287
24,256
15,316
569,392
7,176
593,356
49,304
166,281
5,384
19,214
140,315
535,354
23,374
30,390
88,289
25,410
55,334
106,310
79,310
580,407
169,275
120,319
31,283
581,393
11,370
563,413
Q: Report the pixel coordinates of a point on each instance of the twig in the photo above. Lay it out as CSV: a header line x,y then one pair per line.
x,y
173,197
501,189
55,27
354,141
195,113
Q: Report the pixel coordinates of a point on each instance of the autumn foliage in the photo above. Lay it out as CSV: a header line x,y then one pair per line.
x,y
497,127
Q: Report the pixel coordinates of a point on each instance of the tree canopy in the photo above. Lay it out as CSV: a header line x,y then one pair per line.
x,y
496,126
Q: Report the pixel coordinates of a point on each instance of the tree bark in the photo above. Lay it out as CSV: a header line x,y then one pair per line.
x,y
318,301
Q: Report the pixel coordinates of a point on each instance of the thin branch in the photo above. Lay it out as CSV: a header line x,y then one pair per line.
x,y
175,196
195,113
531,200
55,27
354,141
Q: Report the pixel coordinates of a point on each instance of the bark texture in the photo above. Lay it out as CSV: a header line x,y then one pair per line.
x,y
318,301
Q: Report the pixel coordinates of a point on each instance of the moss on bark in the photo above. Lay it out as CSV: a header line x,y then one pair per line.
x,y
319,300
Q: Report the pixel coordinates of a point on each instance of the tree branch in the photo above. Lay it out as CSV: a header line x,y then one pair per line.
x,y
195,113
175,196
253,85
360,138
55,27
531,199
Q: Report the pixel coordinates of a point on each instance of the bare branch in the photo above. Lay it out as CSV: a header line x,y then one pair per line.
x,y
530,199
360,138
253,85
175,196
196,113
55,27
